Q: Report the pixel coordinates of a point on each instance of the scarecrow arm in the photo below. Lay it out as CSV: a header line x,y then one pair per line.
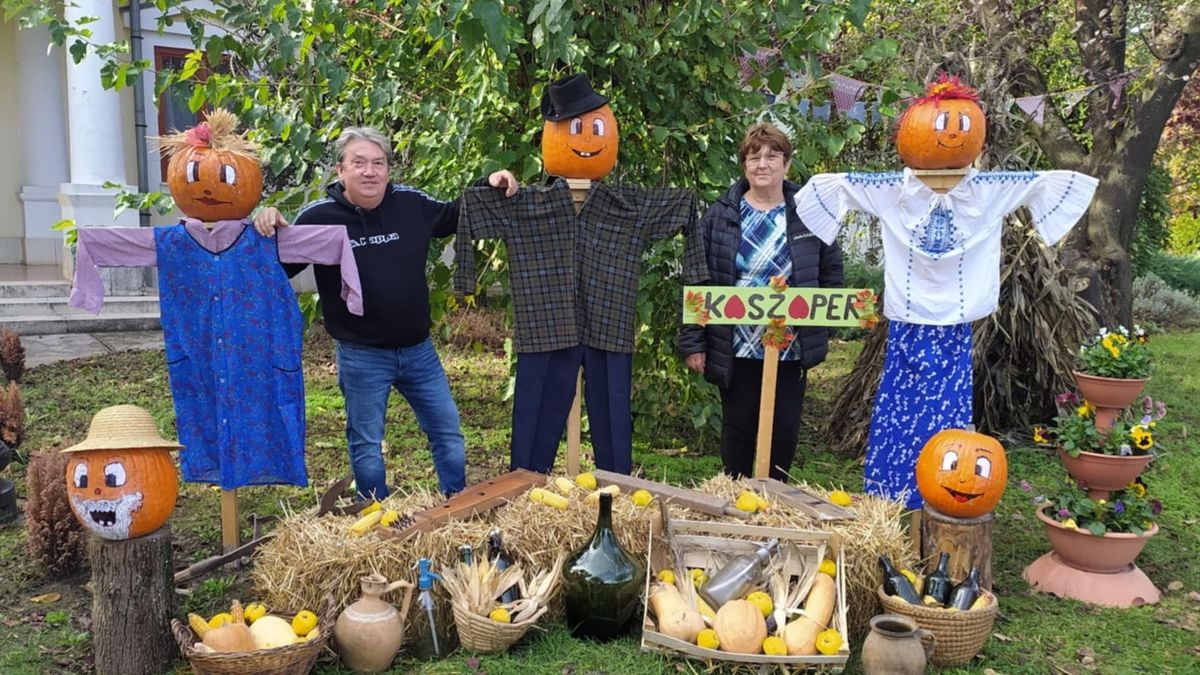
x,y
324,245
107,247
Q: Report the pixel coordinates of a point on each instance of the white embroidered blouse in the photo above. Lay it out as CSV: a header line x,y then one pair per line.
x,y
942,251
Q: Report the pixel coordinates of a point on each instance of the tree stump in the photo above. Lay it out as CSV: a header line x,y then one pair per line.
x,y
133,602
967,540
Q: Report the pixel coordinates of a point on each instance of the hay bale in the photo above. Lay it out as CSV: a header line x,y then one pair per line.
x,y
310,557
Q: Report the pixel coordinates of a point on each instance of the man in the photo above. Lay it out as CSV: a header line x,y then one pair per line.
x,y
390,226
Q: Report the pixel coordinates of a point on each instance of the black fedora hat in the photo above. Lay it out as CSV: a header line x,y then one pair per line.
x,y
573,95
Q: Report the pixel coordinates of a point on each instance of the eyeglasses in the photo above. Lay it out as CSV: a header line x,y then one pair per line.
x,y
769,158
360,165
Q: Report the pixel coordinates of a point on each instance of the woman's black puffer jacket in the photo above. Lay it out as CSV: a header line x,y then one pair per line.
x,y
814,264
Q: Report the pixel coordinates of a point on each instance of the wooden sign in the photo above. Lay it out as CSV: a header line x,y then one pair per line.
x,y
777,306
746,305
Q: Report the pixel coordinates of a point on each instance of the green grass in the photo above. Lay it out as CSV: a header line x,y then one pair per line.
x,y
1041,634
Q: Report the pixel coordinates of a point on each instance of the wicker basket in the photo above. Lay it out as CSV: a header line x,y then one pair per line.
x,y
484,636
960,634
293,659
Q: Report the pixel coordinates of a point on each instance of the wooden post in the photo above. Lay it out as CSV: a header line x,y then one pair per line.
x,y
133,602
967,540
766,412
229,520
579,194
941,180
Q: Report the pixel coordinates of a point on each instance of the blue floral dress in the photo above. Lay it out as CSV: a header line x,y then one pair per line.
x,y
233,334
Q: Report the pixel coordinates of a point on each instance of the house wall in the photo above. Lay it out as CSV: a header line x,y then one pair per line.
x,y
12,224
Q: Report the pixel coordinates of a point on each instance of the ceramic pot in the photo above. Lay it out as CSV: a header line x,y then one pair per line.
x,y
1111,553
1110,395
369,632
896,645
1102,474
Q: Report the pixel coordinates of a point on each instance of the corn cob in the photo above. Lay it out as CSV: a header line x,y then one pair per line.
x,y
563,485
549,498
594,497
371,508
390,517
198,625
362,525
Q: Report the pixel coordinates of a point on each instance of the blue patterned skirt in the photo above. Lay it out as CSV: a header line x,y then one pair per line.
x,y
925,388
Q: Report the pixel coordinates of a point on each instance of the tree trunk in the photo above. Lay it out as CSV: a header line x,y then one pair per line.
x,y
133,602
967,540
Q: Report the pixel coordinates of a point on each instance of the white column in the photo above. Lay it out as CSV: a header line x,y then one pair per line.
x,y
43,144
96,144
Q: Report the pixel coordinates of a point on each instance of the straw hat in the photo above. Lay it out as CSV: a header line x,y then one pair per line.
x,y
121,427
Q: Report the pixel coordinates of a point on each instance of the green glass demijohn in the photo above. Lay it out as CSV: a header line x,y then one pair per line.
x,y
602,583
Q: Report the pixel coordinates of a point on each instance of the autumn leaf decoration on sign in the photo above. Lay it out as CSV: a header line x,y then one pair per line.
x,y
776,334
695,306
865,303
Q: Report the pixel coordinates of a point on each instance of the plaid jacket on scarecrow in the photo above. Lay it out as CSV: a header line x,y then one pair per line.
x,y
575,277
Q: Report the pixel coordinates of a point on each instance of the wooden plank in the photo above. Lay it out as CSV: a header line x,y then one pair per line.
x,y
696,501
766,412
575,427
229,520
804,500
474,500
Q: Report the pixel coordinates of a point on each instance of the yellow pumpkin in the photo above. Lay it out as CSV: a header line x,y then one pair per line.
x,y
740,627
962,473
122,494
584,146
945,129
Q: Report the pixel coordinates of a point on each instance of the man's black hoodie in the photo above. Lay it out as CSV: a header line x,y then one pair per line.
x,y
391,246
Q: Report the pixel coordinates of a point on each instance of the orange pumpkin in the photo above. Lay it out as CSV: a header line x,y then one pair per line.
x,y
213,173
584,146
122,494
945,129
962,473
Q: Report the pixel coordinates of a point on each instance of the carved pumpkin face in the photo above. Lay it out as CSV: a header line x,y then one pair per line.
x,y
122,494
962,473
212,185
581,147
945,129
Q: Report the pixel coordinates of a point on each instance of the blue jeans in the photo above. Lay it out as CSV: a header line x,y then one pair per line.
x,y
366,376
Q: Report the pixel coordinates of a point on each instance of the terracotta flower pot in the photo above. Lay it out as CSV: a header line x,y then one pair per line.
x,y
1102,474
1110,395
1114,552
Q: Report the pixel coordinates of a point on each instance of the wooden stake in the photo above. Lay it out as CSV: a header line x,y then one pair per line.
x,y
580,187
941,180
229,520
766,412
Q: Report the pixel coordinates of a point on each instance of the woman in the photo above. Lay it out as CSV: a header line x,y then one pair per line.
x,y
751,234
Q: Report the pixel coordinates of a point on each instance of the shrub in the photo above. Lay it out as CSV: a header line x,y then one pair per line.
x,y
1179,271
1185,233
12,355
54,538
12,415
1155,302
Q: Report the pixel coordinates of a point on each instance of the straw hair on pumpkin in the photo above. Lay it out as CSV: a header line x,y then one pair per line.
x,y
218,131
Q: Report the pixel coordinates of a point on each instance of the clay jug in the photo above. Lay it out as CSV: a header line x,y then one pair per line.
x,y
896,646
369,632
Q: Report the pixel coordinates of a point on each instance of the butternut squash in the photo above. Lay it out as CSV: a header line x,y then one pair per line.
x,y
672,615
801,634
740,627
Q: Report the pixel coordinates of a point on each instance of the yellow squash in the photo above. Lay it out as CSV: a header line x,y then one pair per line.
x,y
801,634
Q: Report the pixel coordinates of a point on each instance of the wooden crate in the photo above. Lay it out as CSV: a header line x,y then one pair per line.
x,y
701,543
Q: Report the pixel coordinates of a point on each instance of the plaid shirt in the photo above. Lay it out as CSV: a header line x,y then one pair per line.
x,y
575,278
763,254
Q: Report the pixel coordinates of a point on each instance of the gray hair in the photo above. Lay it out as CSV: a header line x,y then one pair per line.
x,y
351,134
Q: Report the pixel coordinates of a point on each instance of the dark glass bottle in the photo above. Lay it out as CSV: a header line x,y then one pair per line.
x,y
500,558
466,554
602,583
964,594
938,583
895,583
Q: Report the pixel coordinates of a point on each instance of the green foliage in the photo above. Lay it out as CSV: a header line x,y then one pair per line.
x,y
1181,272
1155,302
1185,233
310,308
1151,232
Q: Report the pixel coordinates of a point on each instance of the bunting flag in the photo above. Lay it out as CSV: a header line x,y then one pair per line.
x,y
846,91
803,107
1117,87
821,112
751,65
1073,97
858,112
1034,106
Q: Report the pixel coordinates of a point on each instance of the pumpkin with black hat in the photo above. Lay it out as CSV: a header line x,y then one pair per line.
x,y
579,137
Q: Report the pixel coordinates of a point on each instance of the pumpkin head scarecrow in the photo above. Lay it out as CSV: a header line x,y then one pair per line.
x,y
962,473
214,172
579,138
944,129
121,481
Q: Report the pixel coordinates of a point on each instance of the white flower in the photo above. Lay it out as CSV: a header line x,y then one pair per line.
x,y
1124,330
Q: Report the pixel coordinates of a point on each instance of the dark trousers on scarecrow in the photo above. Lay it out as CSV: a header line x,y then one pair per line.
x,y
545,389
